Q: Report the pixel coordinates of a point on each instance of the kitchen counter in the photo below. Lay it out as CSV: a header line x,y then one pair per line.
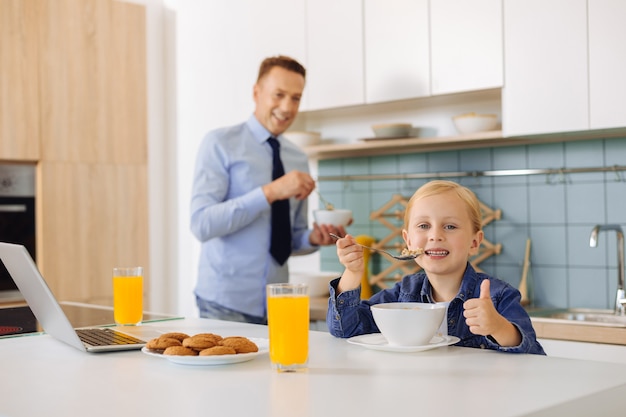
x,y
577,331
42,376
19,319
317,308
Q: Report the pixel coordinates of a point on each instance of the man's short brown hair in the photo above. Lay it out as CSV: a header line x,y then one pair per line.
x,y
282,61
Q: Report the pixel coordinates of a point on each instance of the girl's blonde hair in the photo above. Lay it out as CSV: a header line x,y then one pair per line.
x,y
441,186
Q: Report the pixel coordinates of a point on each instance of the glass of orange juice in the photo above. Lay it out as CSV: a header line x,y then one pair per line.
x,y
288,322
128,295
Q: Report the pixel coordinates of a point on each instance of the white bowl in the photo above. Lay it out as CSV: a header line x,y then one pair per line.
x,y
391,130
474,123
317,281
336,217
408,324
303,138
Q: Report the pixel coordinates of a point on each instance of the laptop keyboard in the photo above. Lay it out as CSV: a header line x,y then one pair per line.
x,y
106,337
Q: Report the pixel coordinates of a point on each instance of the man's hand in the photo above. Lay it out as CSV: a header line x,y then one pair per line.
x,y
320,236
296,184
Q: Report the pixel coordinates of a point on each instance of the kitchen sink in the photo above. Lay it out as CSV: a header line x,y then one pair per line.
x,y
580,316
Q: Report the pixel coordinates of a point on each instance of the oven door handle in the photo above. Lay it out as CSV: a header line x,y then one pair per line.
x,y
13,208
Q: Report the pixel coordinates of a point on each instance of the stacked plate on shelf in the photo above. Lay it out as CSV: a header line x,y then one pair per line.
x,y
392,130
468,123
303,139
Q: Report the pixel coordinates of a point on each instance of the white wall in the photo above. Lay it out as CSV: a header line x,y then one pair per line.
x,y
191,67
160,170
206,61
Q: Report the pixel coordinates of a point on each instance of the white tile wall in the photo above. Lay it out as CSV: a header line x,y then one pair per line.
x,y
556,212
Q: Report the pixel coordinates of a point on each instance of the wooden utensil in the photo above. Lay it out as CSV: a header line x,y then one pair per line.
x,y
366,288
523,284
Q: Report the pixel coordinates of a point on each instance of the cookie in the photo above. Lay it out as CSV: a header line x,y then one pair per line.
x,y
161,343
199,342
218,350
240,344
175,335
179,351
215,337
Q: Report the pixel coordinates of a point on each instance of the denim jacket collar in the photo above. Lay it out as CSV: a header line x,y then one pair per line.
x,y
468,286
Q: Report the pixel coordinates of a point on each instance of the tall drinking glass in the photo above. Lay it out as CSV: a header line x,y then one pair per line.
x,y
288,322
128,295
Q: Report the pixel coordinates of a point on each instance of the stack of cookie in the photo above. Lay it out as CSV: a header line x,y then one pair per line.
x,y
201,344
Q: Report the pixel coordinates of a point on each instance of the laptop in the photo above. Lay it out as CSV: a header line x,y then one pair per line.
x,y
53,319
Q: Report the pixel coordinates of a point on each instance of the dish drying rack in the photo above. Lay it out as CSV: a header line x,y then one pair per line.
x,y
394,210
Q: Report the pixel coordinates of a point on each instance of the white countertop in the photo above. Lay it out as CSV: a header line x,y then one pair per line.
x,y
41,376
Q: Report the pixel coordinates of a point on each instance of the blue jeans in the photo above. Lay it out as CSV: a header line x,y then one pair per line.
x,y
211,310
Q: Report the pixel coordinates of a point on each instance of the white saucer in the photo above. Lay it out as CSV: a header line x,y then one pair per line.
x,y
377,341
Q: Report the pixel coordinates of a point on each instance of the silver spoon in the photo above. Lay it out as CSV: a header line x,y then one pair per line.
x,y
326,203
398,257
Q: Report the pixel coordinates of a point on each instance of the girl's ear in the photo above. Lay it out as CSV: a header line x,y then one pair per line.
x,y
476,241
405,236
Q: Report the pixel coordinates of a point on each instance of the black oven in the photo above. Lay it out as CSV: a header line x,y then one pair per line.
x,y
17,217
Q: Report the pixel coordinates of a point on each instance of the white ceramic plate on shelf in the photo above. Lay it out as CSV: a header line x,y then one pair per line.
x,y
263,345
377,341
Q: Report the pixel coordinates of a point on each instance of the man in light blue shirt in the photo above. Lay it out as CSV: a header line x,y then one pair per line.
x,y
232,196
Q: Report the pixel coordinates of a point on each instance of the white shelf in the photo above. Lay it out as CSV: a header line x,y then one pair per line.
x,y
479,140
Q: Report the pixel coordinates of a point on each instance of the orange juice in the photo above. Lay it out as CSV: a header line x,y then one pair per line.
x,y
128,299
288,321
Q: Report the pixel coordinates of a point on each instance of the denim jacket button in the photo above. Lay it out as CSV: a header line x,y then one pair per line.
x,y
482,346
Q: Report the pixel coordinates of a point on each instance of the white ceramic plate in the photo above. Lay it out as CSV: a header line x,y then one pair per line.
x,y
263,345
377,341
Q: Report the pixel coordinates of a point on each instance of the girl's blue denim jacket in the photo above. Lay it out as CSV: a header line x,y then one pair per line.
x,y
349,316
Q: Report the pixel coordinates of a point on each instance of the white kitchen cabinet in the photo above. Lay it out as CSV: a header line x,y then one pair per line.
x,y
466,45
545,67
396,39
607,63
583,350
335,75
276,27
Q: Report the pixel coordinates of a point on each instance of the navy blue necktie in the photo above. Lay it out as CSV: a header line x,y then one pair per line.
x,y
280,246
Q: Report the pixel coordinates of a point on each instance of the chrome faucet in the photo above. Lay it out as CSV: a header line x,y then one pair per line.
x,y
620,302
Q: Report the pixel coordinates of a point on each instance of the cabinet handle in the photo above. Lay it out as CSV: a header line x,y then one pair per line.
x,y
13,208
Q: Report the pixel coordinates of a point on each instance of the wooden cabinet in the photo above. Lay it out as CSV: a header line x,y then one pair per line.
x,y
19,82
74,100
94,217
92,185
93,85
545,67
466,45
335,54
607,64
396,41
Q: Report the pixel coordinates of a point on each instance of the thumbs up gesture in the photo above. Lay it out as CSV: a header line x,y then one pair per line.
x,y
483,319
480,314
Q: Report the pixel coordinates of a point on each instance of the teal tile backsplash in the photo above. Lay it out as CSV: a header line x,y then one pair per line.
x,y
556,212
